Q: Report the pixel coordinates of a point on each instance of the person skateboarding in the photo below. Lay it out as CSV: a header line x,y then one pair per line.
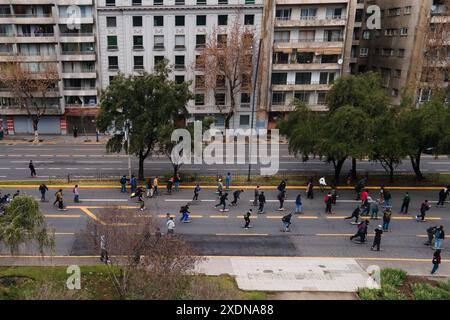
x,y
247,219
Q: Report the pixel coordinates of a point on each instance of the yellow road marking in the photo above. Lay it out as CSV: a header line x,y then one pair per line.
x,y
103,207
90,214
62,215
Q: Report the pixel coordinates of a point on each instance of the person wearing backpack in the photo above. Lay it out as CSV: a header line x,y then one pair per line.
x,y
436,261
184,214
43,189
377,239
123,184
439,237
431,231
76,194
387,213
424,207
236,196
286,222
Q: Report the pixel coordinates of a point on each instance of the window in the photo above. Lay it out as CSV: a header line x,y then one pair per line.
x,y
222,40
200,41
363,52
136,2
110,3
201,2
326,77
112,42
306,57
397,73
308,14
222,20
332,35
158,42
283,14
179,42
138,42
111,22
407,10
220,99
244,120
302,96
334,13
321,97
158,59
179,21
158,21
282,36
307,35
179,62
303,78
220,81
404,31
199,99
199,81
179,79
329,58
179,2
249,19
366,35
278,98
245,100
138,62
201,20
401,53
113,63
279,78
280,58
223,2
158,2
137,21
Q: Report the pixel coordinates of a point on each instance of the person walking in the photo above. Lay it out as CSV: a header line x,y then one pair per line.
x,y
255,201
281,197
405,203
262,201
359,187
439,237
322,184
149,188
431,231
133,184
374,209
155,186
140,196
236,196
247,218
387,199
364,195
223,202
443,196
123,184
287,222
103,250
220,187
366,206
298,204
197,190
43,189
424,207
387,214
59,199
177,182
328,203
32,169
282,186
170,185
170,226
355,214
227,182
185,214
377,239
76,194
436,261
334,194
382,194
310,189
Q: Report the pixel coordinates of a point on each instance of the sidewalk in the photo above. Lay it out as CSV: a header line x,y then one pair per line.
x,y
53,140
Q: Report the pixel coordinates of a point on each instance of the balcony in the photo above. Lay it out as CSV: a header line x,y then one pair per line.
x,y
18,110
208,109
80,91
78,56
306,66
308,45
290,107
81,20
77,37
35,38
292,86
27,18
80,74
328,21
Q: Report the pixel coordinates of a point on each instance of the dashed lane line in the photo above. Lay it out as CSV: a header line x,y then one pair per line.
x,y
64,216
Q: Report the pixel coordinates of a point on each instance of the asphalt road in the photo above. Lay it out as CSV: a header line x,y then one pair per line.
x,y
91,161
314,234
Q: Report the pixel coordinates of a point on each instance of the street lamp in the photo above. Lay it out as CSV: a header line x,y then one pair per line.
x,y
127,138
255,78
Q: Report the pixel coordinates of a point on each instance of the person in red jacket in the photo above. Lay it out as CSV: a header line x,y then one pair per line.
x,y
364,195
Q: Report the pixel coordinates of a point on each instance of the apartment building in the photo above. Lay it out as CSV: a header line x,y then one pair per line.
x,y
134,35
312,41
41,34
405,51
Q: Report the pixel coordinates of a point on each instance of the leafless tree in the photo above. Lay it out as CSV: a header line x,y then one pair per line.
x,y
30,89
144,264
227,64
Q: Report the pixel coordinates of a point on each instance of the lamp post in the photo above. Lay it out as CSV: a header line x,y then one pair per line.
x,y
127,138
255,78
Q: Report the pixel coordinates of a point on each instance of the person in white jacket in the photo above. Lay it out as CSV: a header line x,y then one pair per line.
x,y
170,226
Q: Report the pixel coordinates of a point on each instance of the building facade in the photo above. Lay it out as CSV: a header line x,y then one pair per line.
x,y
43,33
135,35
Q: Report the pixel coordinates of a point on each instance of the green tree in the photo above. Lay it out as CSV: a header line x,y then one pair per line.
x,y
425,127
23,223
388,146
144,104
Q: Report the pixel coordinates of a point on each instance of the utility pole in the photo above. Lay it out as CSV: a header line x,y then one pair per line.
x,y
255,78
127,137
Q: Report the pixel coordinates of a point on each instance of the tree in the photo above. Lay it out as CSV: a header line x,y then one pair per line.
x,y
425,127
24,223
141,104
144,264
30,89
227,64
388,146
364,92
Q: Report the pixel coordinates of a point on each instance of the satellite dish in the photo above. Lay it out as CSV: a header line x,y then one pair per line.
x,y
340,61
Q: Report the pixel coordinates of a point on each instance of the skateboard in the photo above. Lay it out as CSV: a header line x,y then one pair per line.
x,y
226,210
